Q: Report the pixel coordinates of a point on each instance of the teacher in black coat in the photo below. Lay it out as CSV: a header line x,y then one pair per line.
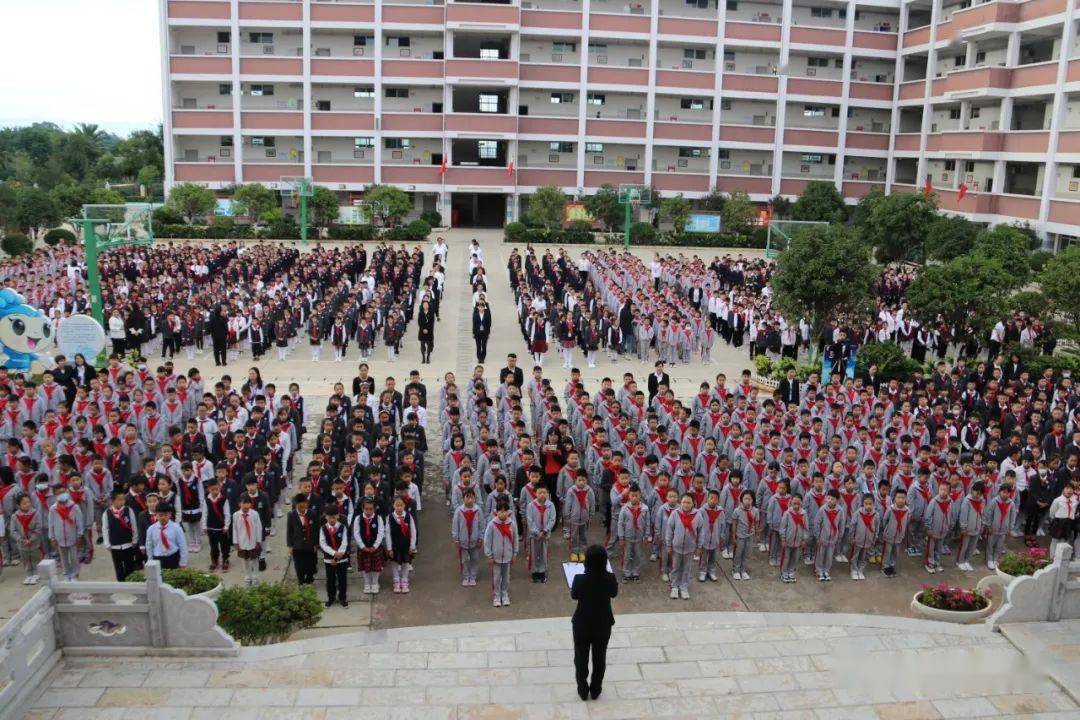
x,y
219,335
425,322
481,329
592,620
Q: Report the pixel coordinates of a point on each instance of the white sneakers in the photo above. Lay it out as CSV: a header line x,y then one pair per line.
x,y
991,564
726,554
841,558
745,575
762,547
674,593
497,601
701,576
684,594
506,598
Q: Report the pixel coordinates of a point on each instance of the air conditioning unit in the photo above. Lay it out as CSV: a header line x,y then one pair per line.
x,y
358,51
271,152
601,59
187,49
268,49
635,62
811,72
933,127
687,64
556,57
729,66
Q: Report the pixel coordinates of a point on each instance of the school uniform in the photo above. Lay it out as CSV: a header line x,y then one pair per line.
x,y
300,531
660,548
970,523
937,521
334,539
577,509
865,528
247,536
167,544
894,530
539,521
467,533
500,544
217,522
119,533
712,536
744,524
998,518
66,526
192,500
369,536
775,509
401,546
681,537
633,529
828,529
25,530
793,533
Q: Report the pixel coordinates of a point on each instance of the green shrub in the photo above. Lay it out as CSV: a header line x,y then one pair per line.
x,y
418,230
351,232
267,612
1027,562
1038,260
1037,363
17,244
515,232
718,240
165,215
57,235
642,233
763,366
579,232
802,370
890,358
432,218
190,581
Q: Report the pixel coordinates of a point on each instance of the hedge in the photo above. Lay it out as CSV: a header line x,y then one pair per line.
x,y
57,235
351,232
580,233
415,231
432,218
17,244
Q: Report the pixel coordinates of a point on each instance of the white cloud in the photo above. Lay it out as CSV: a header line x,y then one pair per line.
x,y
71,61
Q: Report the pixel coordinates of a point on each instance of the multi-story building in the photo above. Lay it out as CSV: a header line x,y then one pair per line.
x,y
471,106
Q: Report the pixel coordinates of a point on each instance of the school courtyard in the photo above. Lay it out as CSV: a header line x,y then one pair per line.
x,y
758,649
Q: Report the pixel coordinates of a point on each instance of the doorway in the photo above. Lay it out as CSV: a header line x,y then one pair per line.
x,y
479,210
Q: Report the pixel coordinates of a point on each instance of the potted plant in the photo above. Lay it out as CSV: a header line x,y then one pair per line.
x,y
267,612
952,604
1027,562
195,583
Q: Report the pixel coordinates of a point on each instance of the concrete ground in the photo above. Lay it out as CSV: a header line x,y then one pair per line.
x,y
694,665
437,596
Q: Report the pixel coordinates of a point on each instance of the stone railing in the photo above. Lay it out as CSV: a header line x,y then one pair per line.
x,y
1051,594
101,618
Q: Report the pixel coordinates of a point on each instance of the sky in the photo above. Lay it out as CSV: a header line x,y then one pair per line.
x,y
72,61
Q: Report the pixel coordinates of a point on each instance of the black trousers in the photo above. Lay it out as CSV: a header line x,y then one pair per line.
x,y
592,640
336,580
125,562
219,353
481,349
220,544
304,562
118,346
170,562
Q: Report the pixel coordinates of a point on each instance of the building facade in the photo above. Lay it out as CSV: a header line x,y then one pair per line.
x,y
472,106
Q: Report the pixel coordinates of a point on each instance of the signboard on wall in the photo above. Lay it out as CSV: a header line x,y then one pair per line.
x,y
577,211
224,207
703,223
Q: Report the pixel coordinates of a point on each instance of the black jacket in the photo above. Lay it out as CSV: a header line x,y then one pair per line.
x,y
789,391
594,593
481,323
295,537
655,383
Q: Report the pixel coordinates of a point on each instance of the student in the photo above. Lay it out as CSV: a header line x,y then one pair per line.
x,y
828,526
794,533
971,525
25,528
500,544
894,529
66,527
661,548
578,503
247,536
216,522
334,543
119,534
539,521
165,541
865,527
634,530
1063,512
744,524
192,501
681,540
468,536
712,535
937,520
369,535
401,544
999,517
300,528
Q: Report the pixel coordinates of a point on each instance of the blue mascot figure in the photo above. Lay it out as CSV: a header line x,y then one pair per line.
x,y
25,334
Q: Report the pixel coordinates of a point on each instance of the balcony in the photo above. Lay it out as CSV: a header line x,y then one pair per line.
x,y
1034,75
754,185
209,119
210,172
855,189
596,178
866,141
353,14
537,177
913,90
550,73
973,80
412,69
1069,141
189,10
553,19
818,36
675,130
906,142
918,36
482,122
342,67
342,121
473,14
685,79
547,126
1026,141
980,16
1066,212
270,120
413,14
688,27
200,65
271,66
766,84
637,77
345,174
280,11
811,138
871,91
757,32
412,122
270,172
680,182
747,134
1035,9
490,176
615,128
413,174
477,69
867,40
600,22
964,141
1017,206
817,88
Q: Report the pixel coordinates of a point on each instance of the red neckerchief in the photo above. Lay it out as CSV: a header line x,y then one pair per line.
x,y
712,515
247,523
868,520
799,518
900,515
121,517
403,524
977,505
25,519
542,509
923,490
1003,507
831,516
635,512
581,496
470,517
944,505
687,520
505,528
65,512
164,536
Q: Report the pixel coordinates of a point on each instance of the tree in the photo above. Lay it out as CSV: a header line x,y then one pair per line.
x,y
324,206
824,273
675,210
968,292
738,213
147,177
9,205
604,206
105,196
547,207
1009,246
950,236
861,211
1061,287
780,207
391,203
192,201
897,226
820,201
36,210
253,200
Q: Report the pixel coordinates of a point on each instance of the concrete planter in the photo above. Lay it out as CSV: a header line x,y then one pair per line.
x,y
953,616
212,593
1005,576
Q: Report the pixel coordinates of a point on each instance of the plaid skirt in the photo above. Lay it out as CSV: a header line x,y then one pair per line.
x,y
370,562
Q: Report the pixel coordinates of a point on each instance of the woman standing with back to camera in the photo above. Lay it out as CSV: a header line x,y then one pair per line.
x,y
592,620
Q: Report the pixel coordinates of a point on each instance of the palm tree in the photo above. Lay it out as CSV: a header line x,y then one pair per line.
x,y
92,133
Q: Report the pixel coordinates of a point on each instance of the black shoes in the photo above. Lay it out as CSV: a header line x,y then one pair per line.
x,y
329,603
583,692
344,603
595,691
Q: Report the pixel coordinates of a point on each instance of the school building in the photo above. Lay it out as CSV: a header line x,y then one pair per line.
x,y
472,105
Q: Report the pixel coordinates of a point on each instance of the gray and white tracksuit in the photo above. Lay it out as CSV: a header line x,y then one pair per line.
x,y
712,535
500,544
681,537
634,528
829,526
793,534
539,519
467,532
745,524
577,509
865,528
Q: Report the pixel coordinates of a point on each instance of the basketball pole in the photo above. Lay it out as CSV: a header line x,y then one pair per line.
x,y
93,277
626,225
303,218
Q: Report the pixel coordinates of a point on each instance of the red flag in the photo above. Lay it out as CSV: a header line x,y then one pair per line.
x,y
963,191
442,166
928,188
510,169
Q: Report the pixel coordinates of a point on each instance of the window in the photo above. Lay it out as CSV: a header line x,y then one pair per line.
x,y
820,12
323,105
595,47
226,141
813,111
261,90
224,37
263,38
835,112
959,60
950,165
261,141
562,147
954,113
596,98
489,103
723,154
397,143
732,5
560,46
224,89
693,54
692,103
976,112
396,92
725,104
360,40
363,142
594,147
363,91
1076,171
562,98
811,158
693,152
969,166
822,62
400,41
980,57
729,56
488,149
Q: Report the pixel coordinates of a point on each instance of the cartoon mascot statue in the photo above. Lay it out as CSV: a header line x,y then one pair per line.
x,y
26,334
